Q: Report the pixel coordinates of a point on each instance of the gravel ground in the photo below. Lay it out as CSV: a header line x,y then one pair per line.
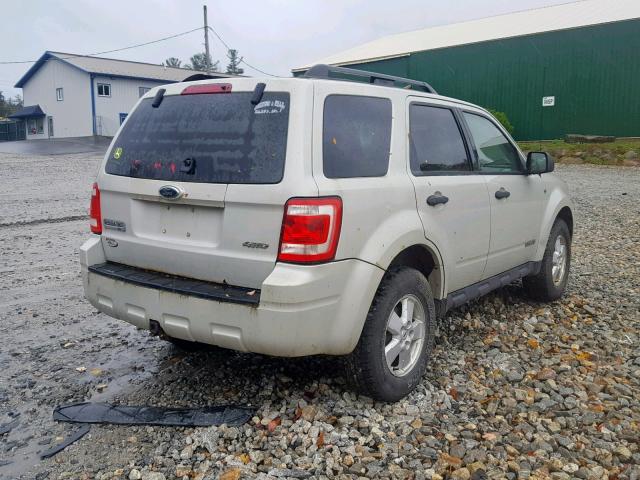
x,y
516,389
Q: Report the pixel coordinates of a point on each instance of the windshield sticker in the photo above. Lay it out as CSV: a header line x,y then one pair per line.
x,y
117,153
270,106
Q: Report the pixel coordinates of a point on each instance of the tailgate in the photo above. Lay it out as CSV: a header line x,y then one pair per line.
x,y
198,237
225,159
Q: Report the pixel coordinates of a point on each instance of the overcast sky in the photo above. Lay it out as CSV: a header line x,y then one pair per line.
x,y
274,35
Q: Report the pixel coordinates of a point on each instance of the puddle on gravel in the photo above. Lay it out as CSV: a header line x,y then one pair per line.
x,y
122,370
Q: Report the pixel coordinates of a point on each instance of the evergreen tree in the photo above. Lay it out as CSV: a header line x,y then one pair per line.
x,y
234,63
9,105
200,61
172,62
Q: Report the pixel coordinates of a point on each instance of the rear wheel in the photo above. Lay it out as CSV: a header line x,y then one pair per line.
x,y
551,281
397,338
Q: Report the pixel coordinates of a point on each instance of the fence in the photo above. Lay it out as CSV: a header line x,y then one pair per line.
x,y
12,130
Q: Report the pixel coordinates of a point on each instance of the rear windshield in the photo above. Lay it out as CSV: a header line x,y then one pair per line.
x,y
208,138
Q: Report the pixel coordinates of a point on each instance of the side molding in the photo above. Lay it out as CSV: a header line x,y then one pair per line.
x,y
479,289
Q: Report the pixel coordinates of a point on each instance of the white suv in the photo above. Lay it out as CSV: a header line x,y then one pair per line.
x,y
318,215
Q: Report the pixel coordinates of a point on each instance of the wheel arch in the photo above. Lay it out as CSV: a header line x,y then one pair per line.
x,y
426,260
566,214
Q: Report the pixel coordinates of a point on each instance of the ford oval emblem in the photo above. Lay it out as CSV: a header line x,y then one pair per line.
x,y
171,192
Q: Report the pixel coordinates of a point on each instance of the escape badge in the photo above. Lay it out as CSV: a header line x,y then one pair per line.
x,y
117,153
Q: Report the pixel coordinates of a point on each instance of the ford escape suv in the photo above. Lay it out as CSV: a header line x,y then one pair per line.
x,y
318,215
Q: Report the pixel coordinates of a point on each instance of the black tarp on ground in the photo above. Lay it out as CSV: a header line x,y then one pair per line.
x,y
74,437
128,415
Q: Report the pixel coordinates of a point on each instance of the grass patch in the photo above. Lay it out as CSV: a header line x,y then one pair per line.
x,y
594,153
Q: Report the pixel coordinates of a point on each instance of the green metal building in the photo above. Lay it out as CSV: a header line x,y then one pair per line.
x,y
571,68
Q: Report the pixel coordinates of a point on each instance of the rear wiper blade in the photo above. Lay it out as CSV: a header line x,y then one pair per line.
x,y
157,100
257,93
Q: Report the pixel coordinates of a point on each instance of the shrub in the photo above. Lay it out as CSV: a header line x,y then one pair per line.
x,y
504,120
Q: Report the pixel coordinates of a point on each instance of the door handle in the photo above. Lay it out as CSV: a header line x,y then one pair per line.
x,y
502,193
433,200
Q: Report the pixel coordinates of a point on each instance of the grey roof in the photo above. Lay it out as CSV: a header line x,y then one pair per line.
x,y
28,111
113,67
575,14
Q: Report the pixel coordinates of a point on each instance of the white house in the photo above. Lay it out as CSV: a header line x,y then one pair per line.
x,y
68,95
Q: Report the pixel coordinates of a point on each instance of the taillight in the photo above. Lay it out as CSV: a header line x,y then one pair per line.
x,y
94,210
310,230
207,88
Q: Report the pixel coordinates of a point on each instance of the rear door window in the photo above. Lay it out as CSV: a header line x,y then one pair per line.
x,y
436,141
209,138
356,136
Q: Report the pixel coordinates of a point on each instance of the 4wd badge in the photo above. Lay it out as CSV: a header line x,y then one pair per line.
x,y
117,225
260,245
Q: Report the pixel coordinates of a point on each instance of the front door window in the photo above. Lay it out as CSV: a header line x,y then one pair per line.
x,y
495,153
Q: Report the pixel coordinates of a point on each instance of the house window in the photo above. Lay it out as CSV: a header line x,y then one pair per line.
x,y
35,126
104,90
59,94
142,91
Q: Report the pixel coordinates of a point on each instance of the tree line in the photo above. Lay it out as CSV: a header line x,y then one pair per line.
x,y
204,63
9,105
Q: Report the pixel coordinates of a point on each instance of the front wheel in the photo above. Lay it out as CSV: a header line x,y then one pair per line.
x,y
397,338
551,281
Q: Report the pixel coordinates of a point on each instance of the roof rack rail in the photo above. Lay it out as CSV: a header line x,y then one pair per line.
x,y
326,71
198,76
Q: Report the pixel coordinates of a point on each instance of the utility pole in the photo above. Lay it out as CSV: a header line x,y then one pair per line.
x,y
206,40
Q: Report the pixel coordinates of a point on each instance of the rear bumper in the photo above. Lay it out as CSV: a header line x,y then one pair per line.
x,y
303,310
179,285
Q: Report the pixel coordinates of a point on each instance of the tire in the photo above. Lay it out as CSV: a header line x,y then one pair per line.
x,y
368,369
542,286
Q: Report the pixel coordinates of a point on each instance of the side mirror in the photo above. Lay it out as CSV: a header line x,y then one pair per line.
x,y
539,162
